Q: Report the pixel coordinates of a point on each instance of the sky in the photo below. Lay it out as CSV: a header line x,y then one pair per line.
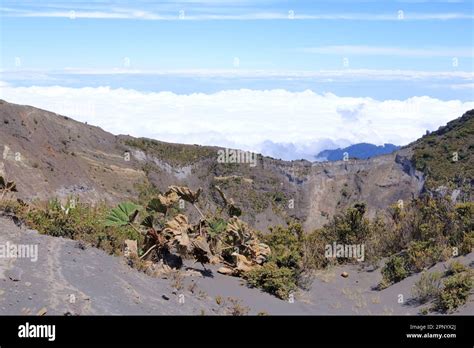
x,y
285,78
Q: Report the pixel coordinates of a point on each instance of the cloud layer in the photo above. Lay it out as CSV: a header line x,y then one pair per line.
x,y
205,11
341,74
150,16
277,122
393,51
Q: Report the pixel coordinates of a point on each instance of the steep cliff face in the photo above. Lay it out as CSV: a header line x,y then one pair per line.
x,y
49,155
380,182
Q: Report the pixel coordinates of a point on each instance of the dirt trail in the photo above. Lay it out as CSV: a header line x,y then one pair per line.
x,y
67,279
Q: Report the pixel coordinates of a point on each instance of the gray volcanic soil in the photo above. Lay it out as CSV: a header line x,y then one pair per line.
x,y
104,285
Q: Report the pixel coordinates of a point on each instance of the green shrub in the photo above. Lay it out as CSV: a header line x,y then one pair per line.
x,y
422,254
80,221
351,227
216,228
174,154
425,310
14,207
314,244
467,243
465,214
286,245
456,267
278,281
395,270
217,225
427,287
282,273
425,229
455,292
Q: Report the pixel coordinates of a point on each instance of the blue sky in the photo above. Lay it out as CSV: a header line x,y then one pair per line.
x,y
382,50
45,36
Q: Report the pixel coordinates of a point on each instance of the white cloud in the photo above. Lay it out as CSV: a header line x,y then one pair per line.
x,y
256,120
393,51
223,12
345,74
463,86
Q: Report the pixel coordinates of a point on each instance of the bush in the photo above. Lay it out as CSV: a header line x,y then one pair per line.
x,y
282,273
467,243
351,227
427,287
421,254
381,241
465,214
456,267
279,281
286,245
13,207
455,292
55,221
80,221
425,229
394,270
314,244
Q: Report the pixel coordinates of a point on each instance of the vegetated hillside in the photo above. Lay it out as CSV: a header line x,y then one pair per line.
x,y
446,157
357,151
50,155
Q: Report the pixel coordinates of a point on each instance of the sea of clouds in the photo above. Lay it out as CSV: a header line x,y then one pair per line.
x,y
278,123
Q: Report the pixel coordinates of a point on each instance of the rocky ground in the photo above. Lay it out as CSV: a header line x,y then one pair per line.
x,y
71,279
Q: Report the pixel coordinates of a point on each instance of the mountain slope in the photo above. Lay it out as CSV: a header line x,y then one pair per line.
x,y
446,157
49,155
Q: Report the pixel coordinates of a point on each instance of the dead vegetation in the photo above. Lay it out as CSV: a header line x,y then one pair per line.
x,y
169,237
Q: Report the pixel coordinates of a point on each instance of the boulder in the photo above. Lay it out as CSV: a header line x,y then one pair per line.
x,y
243,264
225,271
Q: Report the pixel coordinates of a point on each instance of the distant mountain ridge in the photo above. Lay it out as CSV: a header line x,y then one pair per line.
x,y
357,151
